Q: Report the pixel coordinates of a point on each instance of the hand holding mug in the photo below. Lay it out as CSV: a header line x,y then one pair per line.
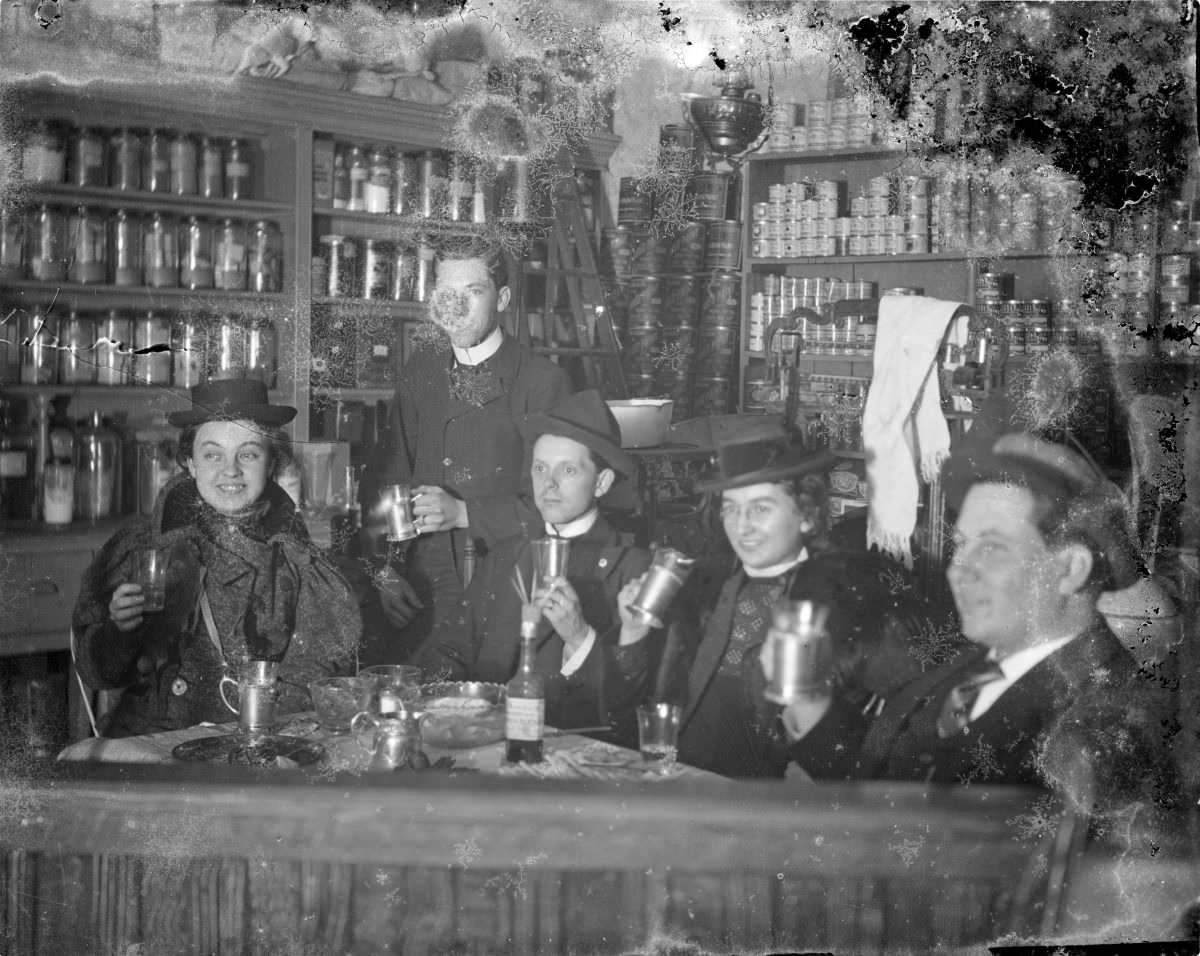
x,y
560,605
435,509
633,625
125,608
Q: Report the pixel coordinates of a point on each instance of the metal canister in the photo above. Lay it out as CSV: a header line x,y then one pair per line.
x,y
716,351
48,248
645,301
649,253
160,251
405,185
89,246
86,159
1017,334
189,351
229,267
262,353
76,358
156,162
341,258
712,396
39,358
720,302
226,356
686,253
113,346
640,349
723,246
196,253
12,243
403,274
641,385
265,257
432,185
1037,336
151,368
125,159
710,194
680,301
125,249
376,269
633,205
184,179
616,251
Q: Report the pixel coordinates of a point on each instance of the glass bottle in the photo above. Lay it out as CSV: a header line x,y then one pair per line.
x,y
58,479
230,266
87,167
183,165
460,188
341,180
97,470
156,166
196,253
89,246
125,160
47,238
261,355
114,337
379,182
160,251
227,349
39,352
17,449
359,172
189,350
212,169
77,358
44,157
265,260
151,368
237,170
405,183
12,243
525,712
125,249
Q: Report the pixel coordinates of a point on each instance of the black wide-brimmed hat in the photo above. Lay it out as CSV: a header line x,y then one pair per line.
x,y
1061,474
739,464
583,417
231,399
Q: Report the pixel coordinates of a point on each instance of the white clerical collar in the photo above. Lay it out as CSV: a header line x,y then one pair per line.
x,y
777,569
573,529
481,352
1018,663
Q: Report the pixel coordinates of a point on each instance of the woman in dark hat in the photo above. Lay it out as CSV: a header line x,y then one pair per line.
x,y
243,579
594,663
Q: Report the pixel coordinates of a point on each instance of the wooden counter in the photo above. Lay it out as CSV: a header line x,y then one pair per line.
x,y
206,860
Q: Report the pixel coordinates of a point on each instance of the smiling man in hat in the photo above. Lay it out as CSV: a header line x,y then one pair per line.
x,y
1045,694
593,659
773,506
243,579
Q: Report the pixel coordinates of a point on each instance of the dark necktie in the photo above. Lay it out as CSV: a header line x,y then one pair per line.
x,y
956,708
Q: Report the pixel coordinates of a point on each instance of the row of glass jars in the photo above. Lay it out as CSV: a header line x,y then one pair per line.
x,y
86,244
109,348
155,160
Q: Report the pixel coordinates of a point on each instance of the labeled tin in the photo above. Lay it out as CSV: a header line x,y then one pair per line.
x,y
680,301
686,254
376,269
151,368
1016,332
633,205
998,284
639,348
710,194
76,361
641,385
1037,337
722,246
649,253
712,396
720,302
189,351
644,305
1065,336
1176,265
716,351
616,251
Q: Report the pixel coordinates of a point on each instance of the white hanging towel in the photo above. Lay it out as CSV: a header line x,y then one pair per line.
x,y
903,425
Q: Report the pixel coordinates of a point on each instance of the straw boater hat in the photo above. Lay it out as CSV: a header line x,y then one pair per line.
x,y
1062,474
585,418
739,464
232,399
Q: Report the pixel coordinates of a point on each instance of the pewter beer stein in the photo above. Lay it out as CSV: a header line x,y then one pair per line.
x,y
397,738
550,558
257,685
668,570
798,650
397,504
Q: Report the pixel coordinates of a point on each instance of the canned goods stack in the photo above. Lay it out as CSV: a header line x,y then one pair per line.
x,y
103,349
781,120
138,160
832,125
800,219
93,246
777,296
347,267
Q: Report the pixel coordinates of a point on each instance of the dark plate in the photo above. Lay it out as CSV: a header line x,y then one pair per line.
x,y
275,750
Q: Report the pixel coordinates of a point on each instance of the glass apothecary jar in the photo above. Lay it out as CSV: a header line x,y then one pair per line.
x,y
125,159
151,368
18,501
125,248
230,266
44,158
97,470
12,243
184,179
265,257
196,253
77,357
39,353
46,235
156,167
261,351
160,251
89,246
114,335
189,351
86,160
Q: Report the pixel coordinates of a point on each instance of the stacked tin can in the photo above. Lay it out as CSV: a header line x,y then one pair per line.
x,y
800,219
824,126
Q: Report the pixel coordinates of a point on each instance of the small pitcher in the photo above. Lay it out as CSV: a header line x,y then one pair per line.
x,y
257,686
397,738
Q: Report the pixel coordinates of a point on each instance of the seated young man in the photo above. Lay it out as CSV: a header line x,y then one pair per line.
x,y
593,659
1047,695
774,512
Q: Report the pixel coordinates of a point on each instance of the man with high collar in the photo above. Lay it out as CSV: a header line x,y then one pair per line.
x,y
1047,695
456,438
592,656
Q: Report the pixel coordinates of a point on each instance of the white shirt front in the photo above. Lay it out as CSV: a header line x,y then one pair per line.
x,y
1015,666
777,569
574,529
481,352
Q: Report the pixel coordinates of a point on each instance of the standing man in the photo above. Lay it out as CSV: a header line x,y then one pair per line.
x,y
456,438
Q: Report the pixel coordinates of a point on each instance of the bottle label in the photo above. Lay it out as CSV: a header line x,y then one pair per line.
x,y
525,718
13,464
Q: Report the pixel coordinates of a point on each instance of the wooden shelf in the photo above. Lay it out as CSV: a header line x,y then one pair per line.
x,y
116,391
381,226
161,202
857,154
354,394
86,296
408,311
857,260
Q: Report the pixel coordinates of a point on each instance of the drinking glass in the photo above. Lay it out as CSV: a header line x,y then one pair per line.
x,y
150,573
397,504
658,732
257,684
391,685
550,559
337,699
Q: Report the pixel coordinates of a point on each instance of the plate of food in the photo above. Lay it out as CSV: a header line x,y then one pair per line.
x,y
462,714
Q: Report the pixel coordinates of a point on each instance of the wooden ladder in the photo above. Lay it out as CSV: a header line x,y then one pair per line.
x,y
571,263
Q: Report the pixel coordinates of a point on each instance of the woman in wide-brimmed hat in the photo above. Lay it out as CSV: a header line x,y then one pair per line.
x,y
243,579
